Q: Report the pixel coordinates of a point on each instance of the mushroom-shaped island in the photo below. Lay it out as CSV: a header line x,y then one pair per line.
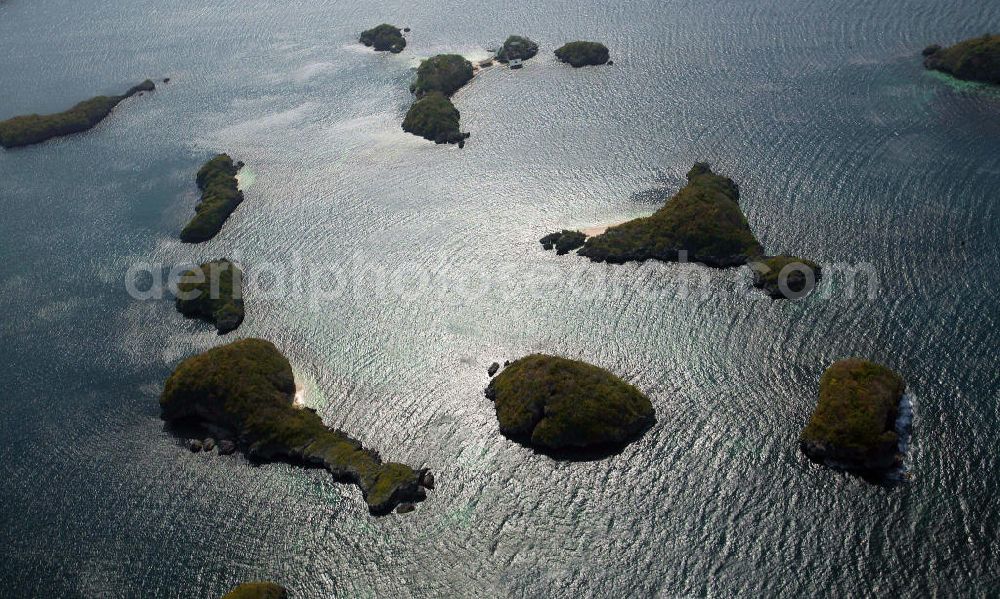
x,y
213,292
257,590
517,48
976,59
853,425
785,277
220,195
582,54
384,38
36,128
703,223
243,393
434,117
557,404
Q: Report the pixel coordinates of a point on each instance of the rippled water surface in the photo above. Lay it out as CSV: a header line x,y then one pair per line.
x,y
392,272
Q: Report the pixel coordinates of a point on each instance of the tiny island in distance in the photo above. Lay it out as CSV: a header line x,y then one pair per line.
x,y
384,38
243,394
583,54
556,404
36,128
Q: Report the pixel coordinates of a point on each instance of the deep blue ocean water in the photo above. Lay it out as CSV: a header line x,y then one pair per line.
x,y
392,272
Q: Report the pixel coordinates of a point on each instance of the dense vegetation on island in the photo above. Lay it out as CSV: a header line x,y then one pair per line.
x,y
977,59
213,292
703,218
445,73
563,242
853,425
798,275
434,117
554,403
384,38
581,54
36,128
220,195
257,590
517,47
243,392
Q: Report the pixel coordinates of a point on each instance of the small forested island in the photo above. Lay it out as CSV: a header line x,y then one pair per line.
x,y
257,590
434,117
563,242
703,219
553,403
384,38
445,73
36,128
800,276
517,48
976,59
213,292
220,195
582,54
243,393
853,425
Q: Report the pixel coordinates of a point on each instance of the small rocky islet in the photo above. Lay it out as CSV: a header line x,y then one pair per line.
x,y
243,393
557,404
517,47
220,195
257,590
582,54
976,59
384,38
213,292
36,128
854,424
702,223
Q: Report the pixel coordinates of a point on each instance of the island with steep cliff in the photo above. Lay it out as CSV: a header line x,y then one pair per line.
x,y
432,115
384,38
36,128
557,404
257,590
976,59
243,394
853,425
784,277
702,223
582,54
213,292
517,47
220,195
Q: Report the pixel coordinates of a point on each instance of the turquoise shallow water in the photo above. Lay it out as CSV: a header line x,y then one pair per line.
x,y
427,257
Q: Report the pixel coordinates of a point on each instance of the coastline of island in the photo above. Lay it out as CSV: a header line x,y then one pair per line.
x,y
976,59
566,407
33,129
242,394
702,223
220,195
855,423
